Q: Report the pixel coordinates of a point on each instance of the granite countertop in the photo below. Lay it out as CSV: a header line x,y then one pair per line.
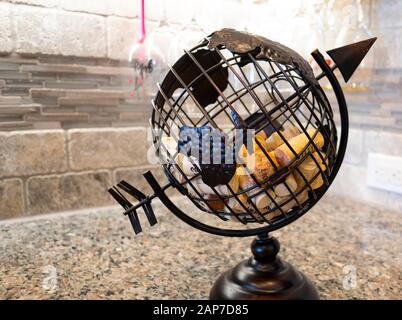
x,y
348,249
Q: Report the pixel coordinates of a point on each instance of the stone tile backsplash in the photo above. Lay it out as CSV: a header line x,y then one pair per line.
x,y
65,93
44,171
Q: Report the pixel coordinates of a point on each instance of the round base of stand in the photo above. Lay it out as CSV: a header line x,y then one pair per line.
x,y
264,277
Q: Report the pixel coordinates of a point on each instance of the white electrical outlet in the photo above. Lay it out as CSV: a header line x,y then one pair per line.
x,y
384,172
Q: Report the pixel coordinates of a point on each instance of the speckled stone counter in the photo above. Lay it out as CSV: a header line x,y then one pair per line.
x,y
349,250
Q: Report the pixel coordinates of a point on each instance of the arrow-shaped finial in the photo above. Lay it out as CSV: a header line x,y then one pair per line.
x,y
348,58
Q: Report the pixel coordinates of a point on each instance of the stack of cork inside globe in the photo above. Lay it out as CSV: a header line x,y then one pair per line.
x,y
254,188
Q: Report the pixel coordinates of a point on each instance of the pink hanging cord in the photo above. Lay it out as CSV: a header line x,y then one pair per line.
x,y
143,33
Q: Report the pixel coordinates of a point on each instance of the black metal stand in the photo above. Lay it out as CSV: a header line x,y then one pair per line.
x,y
264,277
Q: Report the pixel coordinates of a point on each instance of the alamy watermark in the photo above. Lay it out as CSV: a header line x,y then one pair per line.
x,y
208,145
49,281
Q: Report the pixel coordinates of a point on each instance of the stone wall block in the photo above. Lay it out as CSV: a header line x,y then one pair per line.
x,y
70,191
107,148
11,198
26,153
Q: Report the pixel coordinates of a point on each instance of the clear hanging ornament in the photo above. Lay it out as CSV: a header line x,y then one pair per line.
x,y
149,57
142,60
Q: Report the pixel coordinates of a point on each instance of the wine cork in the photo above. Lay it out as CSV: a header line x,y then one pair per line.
x,y
269,216
284,154
189,165
245,180
234,183
268,157
273,158
285,189
169,149
177,175
268,213
275,140
262,200
222,189
250,159
188,170
242,155
314,184
309,169
261,168
318,181
215,203
243,152
310,165
236,206
301,197
261,135
290,131
260,163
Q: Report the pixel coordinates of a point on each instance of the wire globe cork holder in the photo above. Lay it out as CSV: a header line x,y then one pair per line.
x,y
243,129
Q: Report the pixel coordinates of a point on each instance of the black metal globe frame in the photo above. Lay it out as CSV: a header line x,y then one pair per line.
x,y
173,113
